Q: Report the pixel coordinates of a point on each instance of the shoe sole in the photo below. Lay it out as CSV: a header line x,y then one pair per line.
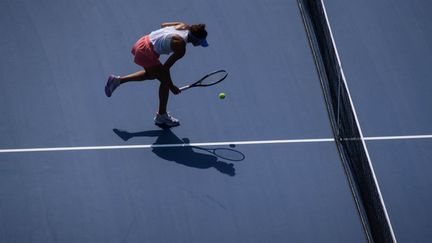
x,y
107,89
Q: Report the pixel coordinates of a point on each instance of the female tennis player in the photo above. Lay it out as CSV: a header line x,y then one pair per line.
x,y
171,38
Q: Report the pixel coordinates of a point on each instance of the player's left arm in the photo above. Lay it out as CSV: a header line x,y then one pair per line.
x,y
177,25
178,45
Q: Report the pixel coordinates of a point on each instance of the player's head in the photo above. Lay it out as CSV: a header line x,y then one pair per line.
x,y
198,35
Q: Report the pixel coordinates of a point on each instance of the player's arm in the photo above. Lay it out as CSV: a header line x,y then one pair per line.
x,y
178,25
178,47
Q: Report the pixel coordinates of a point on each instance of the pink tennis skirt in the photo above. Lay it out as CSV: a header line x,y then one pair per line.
x,y
145,56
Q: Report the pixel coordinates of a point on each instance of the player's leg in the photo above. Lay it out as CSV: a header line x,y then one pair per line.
x,y
115,81
163,98
144,56
138,76
164,77
162,116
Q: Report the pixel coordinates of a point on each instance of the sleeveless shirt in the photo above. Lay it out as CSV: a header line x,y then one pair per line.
x,y
161,38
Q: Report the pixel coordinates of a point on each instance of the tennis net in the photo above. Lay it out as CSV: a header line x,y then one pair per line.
x,y
347,133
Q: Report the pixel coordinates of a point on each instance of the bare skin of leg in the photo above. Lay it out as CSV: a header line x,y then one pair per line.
x,y
164,89
154,73
138,76
163,98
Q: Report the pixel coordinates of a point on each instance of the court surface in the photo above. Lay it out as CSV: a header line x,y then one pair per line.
x,y
76,166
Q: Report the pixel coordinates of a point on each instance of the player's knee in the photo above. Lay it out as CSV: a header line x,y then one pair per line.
x,y
163,74
150,75
157,72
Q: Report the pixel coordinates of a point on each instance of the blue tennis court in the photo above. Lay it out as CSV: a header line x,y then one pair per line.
x,y
76,166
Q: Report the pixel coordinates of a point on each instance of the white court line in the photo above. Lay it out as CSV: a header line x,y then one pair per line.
x,y
359,127
398,137
143,146
256,142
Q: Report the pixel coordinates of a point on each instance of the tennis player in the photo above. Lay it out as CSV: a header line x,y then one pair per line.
x,y
170,39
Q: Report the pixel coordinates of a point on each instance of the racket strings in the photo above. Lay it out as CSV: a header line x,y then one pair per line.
x,y
214,78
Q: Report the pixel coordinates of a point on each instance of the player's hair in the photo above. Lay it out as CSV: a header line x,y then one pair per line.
x,y
198,30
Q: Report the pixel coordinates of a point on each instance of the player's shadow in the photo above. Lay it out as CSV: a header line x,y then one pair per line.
x,y
184,155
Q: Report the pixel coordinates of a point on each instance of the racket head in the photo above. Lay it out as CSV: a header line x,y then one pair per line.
x,y
212,78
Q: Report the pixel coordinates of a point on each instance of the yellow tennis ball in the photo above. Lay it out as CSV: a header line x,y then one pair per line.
x,y
222,96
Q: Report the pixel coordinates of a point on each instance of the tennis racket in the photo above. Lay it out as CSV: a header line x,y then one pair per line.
x,y
208,80
224,153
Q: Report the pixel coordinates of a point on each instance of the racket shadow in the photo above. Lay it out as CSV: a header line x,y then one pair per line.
x,y
190,156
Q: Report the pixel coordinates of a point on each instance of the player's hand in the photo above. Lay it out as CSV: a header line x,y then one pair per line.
x,y
175,90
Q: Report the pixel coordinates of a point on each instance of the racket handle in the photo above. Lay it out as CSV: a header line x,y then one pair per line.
x,y
185,87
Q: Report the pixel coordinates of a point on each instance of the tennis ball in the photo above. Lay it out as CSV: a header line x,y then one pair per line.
x,y
222,96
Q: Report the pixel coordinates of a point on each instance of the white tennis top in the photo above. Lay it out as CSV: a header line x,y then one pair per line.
x,y
161,38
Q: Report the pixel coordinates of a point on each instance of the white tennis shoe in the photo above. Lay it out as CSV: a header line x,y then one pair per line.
x,y
112,83
166,120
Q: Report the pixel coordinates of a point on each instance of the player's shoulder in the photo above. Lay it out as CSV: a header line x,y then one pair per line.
x,y
177,40
178,44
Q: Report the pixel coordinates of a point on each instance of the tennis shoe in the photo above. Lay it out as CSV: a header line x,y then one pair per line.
x,y
112,83
166,120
